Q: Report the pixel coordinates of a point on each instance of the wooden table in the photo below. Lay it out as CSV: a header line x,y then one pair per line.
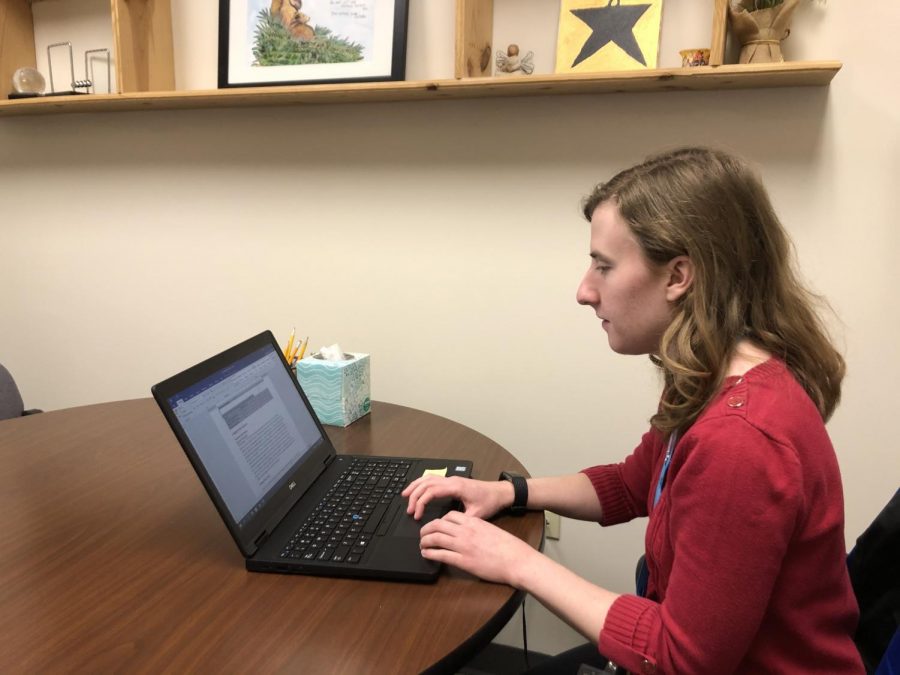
x,y
113,559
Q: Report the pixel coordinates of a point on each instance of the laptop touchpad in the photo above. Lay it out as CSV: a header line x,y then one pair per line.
x,y
406,526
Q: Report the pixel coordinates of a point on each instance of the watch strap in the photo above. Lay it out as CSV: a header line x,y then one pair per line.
x,y
520,493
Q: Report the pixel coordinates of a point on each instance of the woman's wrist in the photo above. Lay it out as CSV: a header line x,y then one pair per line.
x,y
507,494
527,570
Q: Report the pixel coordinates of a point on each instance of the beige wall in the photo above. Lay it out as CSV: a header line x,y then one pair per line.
x,y
444,239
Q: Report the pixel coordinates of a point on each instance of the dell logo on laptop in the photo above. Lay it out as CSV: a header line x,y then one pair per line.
x,y
292,485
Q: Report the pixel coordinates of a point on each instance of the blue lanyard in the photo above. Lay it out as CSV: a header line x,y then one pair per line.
x,y
643,573
673,439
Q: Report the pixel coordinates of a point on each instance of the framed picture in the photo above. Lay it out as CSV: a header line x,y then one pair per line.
x,y
279,42
599,35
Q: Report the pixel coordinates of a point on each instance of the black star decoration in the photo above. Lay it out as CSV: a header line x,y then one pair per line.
x,y
611,24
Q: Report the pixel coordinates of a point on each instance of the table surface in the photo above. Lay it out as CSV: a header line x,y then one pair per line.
x,y
113,558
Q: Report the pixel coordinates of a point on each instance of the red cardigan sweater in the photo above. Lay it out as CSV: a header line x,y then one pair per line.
x,y
745,548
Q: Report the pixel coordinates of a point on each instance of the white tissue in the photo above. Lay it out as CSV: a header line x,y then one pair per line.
x,y
333,353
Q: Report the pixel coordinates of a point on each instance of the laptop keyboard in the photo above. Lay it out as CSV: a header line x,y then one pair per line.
x,y
357,507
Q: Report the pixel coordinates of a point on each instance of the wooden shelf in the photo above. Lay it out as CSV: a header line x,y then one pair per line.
x,y
795,74
142,37
145,71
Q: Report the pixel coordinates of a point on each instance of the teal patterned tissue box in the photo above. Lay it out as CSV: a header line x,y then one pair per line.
x,y
337,390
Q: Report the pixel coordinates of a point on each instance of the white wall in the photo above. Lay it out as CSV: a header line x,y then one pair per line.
x,y
445,239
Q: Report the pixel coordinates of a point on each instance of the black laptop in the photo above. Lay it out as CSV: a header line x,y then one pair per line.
x,y
292,504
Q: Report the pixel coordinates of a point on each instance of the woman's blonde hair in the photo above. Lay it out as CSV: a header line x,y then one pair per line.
x,y
711,207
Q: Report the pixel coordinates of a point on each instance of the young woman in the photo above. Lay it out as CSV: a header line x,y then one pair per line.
x,y
745,556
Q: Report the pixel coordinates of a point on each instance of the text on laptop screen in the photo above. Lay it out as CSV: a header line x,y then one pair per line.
x,y
248,425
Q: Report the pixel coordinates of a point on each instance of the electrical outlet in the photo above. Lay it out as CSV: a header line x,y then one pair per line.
x,y
551,525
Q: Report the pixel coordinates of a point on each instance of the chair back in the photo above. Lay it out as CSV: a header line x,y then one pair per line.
x,y
10,399
874,566
890,662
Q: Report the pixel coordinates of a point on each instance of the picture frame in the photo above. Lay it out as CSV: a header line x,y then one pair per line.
x,y
597,36
265,43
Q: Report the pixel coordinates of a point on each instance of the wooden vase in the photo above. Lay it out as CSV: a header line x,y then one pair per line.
x,y
760,32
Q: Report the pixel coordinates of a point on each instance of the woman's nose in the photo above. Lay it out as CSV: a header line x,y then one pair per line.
x,y
586,293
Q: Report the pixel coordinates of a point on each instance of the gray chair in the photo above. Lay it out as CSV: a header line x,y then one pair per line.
x,y
873,565
11,404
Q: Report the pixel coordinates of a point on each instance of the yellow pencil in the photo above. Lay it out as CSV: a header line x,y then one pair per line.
x,y
290,345
303,348
294,351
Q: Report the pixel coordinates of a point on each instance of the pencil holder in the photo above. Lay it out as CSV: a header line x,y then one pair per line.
x,y
337,390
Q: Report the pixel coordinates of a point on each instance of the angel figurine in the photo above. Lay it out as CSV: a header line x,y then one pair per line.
x,y
510,62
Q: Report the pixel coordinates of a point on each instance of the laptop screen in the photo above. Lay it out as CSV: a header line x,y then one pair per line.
x,y
249,427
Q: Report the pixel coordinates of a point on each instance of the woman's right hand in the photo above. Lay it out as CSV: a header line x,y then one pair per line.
x,y
480,499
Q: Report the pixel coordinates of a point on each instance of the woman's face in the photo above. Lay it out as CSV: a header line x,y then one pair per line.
x,y
628,294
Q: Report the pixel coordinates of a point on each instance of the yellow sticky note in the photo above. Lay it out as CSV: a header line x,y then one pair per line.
x,y
435,472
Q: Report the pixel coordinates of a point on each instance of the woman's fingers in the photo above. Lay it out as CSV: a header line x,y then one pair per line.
x,y
449,532
448,525
473,545
422,491
479,498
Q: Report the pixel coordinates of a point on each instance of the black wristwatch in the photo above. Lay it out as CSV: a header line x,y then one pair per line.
x,y
520,493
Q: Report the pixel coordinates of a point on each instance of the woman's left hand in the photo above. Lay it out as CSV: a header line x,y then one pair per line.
x,y
476,546
483,549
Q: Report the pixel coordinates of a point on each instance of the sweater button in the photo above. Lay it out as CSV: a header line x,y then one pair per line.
x,y
648,668
736,401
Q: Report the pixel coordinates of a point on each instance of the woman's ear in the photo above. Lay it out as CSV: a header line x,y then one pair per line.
x,y
681,277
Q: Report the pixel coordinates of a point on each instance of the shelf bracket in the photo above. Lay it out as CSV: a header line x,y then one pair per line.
x,y
474,34
719,26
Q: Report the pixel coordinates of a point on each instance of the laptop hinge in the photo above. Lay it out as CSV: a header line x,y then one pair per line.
x,y
258,542
329,459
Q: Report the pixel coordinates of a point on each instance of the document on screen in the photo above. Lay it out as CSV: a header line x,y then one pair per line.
x,y
260,434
